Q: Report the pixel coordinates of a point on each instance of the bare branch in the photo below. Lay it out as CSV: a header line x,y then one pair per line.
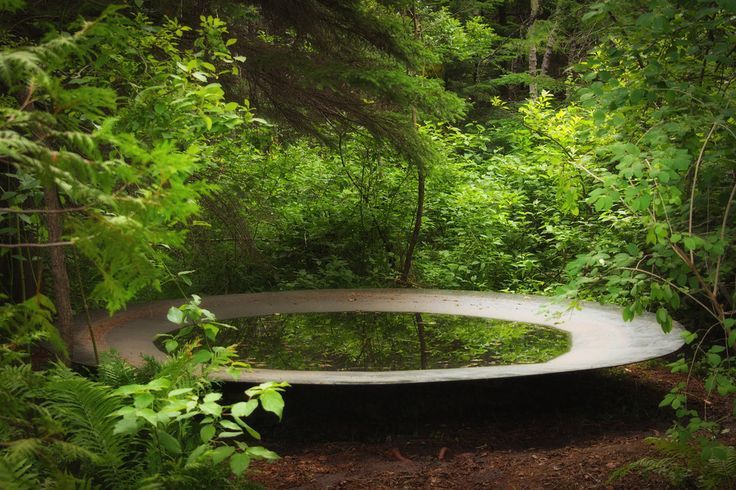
x,y
723,235
35,245
41,211
673,285
695,182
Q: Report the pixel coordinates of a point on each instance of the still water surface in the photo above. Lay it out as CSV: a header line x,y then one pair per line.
x,y
370,341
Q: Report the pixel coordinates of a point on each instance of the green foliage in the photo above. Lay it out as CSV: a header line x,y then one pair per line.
x,y
706,464
24,325
12,5
84,409
161,432
17,474
454,40
623,193
502,210
125,171
660,96
182,422
118,117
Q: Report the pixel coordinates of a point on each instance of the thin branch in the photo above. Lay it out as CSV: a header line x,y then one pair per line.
x,y
695,182
695,356
717,307
41,211
723,235
672,284
664,205
35,245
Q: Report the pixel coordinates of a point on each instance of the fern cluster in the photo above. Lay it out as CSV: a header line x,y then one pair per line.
x,y
685,461
160,426
117,117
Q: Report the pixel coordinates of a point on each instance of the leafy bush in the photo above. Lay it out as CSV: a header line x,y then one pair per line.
x,y
168,430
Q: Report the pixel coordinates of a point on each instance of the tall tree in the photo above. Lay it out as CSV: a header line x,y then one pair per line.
x,y
533,14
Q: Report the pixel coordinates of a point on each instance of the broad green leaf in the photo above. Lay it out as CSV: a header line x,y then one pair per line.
x,y
261,452
212,397
207,432
158,384
273,402
126,426
202,355
149,415
143,400
211,408
179,391
693,242
196,454
239,462
244,409
713,359
130,389
175,315
253,433
229,425
222,453
168,442
228,434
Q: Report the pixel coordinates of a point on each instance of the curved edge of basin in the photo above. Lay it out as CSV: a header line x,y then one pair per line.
x,y
599,336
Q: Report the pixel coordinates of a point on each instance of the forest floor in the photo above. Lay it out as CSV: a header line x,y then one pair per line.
x,y
554,431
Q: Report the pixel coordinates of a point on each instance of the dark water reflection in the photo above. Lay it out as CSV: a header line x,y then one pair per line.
x,y
369,341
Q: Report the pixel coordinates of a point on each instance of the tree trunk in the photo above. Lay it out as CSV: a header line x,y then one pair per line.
x,y
62,290
548,53
423,356
547,58
409,257
532,49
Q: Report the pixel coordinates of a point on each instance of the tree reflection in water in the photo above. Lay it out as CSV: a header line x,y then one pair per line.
x,y
370,341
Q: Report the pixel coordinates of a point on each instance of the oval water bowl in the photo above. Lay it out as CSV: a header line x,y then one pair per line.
x,y
598,335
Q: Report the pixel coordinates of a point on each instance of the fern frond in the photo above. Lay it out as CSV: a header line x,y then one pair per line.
x,y
12,142
18,64
16,118
82,142
25,448
720,473
115,372
669,468
17,474
17,385
84,408
72,452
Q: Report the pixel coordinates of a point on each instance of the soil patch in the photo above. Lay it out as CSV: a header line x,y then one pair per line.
x,y
553,431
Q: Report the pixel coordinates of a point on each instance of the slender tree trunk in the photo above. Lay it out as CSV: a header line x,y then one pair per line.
x,y
57,259
548,53
409,257
423,355
62,290
414,239
533,49
547,58
411,247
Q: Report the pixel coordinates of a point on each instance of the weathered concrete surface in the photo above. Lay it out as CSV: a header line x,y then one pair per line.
x,y
599,336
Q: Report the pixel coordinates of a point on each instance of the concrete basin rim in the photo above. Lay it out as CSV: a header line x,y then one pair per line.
x,y
589,349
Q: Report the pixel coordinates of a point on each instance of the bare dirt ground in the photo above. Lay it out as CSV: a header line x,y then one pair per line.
x,y
555,431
